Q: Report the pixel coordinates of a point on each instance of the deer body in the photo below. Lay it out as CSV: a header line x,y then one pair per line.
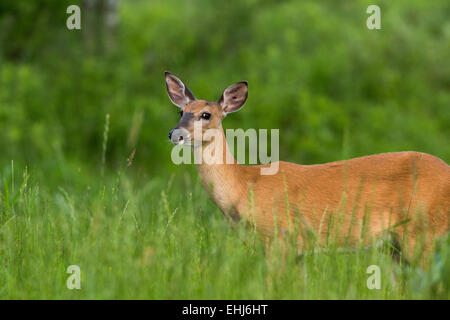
x,y
359,198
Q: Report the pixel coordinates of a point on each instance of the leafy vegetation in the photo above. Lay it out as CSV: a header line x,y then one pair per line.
x,y
144,228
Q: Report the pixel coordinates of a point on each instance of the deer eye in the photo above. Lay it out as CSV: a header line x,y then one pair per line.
x,y
181,113
206,115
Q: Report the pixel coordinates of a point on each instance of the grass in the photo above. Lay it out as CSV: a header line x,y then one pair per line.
x,y
137,237
72,104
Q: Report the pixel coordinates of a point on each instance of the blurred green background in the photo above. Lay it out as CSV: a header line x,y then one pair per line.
x,y
334,88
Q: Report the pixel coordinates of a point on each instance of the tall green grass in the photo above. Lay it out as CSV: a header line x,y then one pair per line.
x,y
151,238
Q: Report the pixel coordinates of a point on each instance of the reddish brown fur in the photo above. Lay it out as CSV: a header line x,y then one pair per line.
x,y
394,187
408,189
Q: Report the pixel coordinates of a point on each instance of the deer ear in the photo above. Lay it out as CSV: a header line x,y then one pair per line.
x,y
234,97
178,93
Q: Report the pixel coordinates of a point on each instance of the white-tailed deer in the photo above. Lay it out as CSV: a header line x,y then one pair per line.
x,y
405,195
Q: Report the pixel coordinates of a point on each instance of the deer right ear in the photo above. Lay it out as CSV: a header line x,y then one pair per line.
x,y
178,93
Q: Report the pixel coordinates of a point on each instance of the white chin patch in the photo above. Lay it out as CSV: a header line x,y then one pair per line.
x,y
181,142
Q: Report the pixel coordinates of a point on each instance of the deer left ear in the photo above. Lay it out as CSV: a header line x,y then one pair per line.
x,y
234,97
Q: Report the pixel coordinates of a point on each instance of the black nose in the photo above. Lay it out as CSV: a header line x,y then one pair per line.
x,y
170,134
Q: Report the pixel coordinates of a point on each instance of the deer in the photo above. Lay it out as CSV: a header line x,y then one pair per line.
x,y
403,197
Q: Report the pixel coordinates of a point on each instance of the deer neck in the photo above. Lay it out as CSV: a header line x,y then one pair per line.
x,y
222,177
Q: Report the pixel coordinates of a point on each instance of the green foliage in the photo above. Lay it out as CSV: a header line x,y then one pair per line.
x,y
334,88
140,238
315,71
